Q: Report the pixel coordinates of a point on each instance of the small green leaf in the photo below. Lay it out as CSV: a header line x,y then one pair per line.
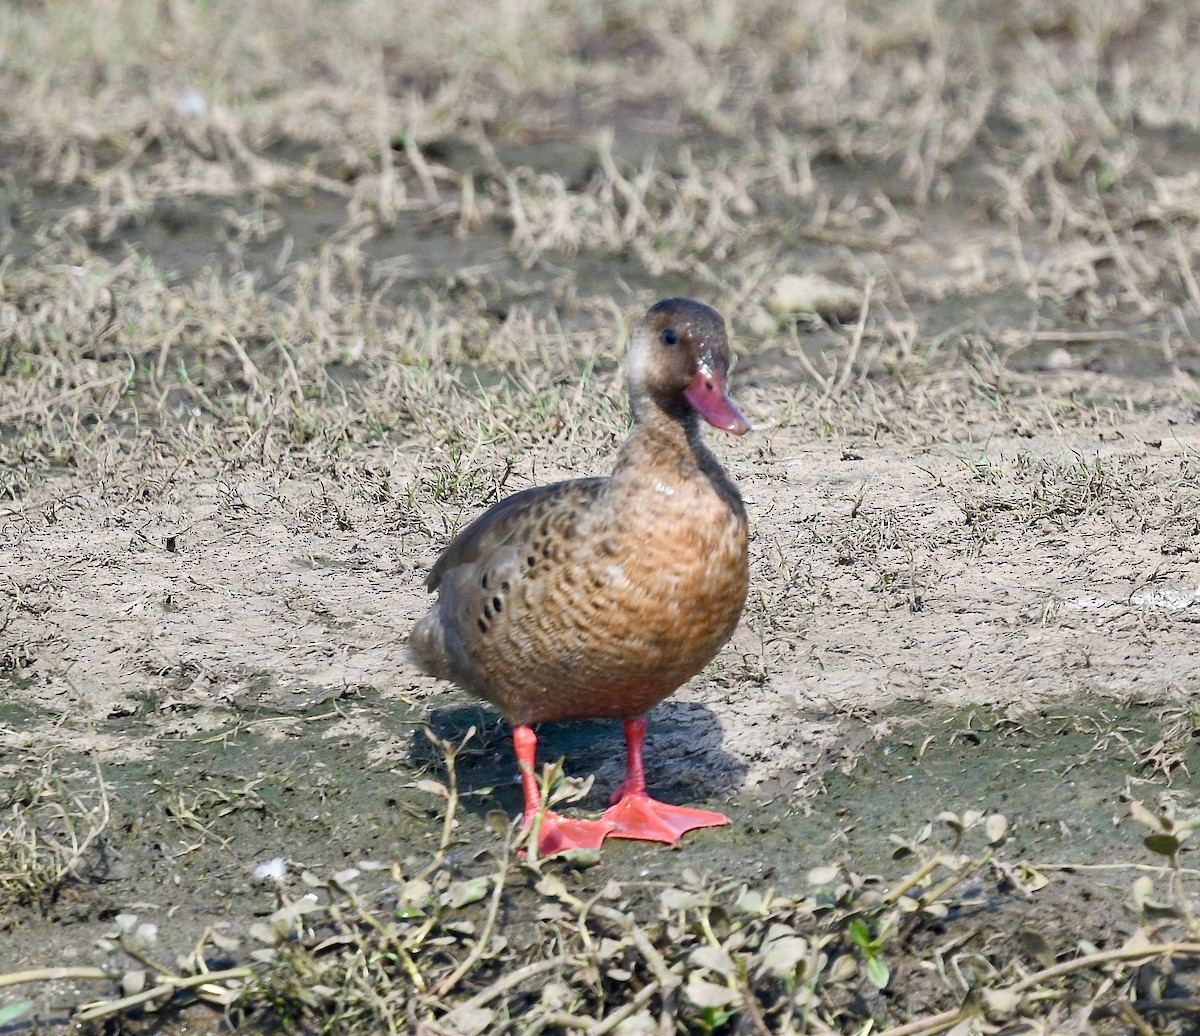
x,y
715,1017
877,972
461,893
1164,845
580,859
11,1012
860,934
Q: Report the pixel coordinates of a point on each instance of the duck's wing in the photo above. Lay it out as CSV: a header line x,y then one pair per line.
x,y
493,530
497,553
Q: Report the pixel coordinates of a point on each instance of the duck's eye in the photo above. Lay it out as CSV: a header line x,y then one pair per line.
x,y
669,337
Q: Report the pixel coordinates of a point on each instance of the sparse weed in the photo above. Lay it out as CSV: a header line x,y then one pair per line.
x,y
197,814
49,833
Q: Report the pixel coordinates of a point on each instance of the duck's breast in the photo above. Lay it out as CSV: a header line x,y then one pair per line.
x,y
611,609
685,561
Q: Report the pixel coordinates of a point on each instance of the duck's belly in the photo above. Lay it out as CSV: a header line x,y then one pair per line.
x,y
615,626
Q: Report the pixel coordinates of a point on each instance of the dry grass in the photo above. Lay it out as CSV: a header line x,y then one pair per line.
x,y
1055,121
50,836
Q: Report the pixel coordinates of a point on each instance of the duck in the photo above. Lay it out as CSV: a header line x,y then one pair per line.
x,y
597,598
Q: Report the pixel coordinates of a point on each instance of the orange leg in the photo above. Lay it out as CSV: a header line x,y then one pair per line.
x,y
557,833
636,815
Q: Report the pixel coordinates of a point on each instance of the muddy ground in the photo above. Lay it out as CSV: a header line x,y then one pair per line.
x,y
242,416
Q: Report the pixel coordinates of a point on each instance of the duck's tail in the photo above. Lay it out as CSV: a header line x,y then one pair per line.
x,y
427,645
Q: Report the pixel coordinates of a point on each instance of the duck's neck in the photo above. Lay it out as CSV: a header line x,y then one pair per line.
x,y
665,434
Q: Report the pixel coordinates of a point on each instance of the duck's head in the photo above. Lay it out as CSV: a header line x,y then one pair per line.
x,y
679,358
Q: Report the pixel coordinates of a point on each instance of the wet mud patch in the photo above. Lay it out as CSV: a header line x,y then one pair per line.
x,y
204,811
229,823
1064,776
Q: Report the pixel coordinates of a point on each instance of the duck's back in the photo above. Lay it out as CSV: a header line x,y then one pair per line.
x,y
592,598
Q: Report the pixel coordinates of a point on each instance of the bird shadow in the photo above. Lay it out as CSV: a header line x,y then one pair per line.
x,y
685,763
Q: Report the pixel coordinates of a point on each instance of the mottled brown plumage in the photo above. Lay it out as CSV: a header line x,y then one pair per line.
x,y
599,597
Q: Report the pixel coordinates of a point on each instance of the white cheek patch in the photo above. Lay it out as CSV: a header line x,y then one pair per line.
x,y
639,359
